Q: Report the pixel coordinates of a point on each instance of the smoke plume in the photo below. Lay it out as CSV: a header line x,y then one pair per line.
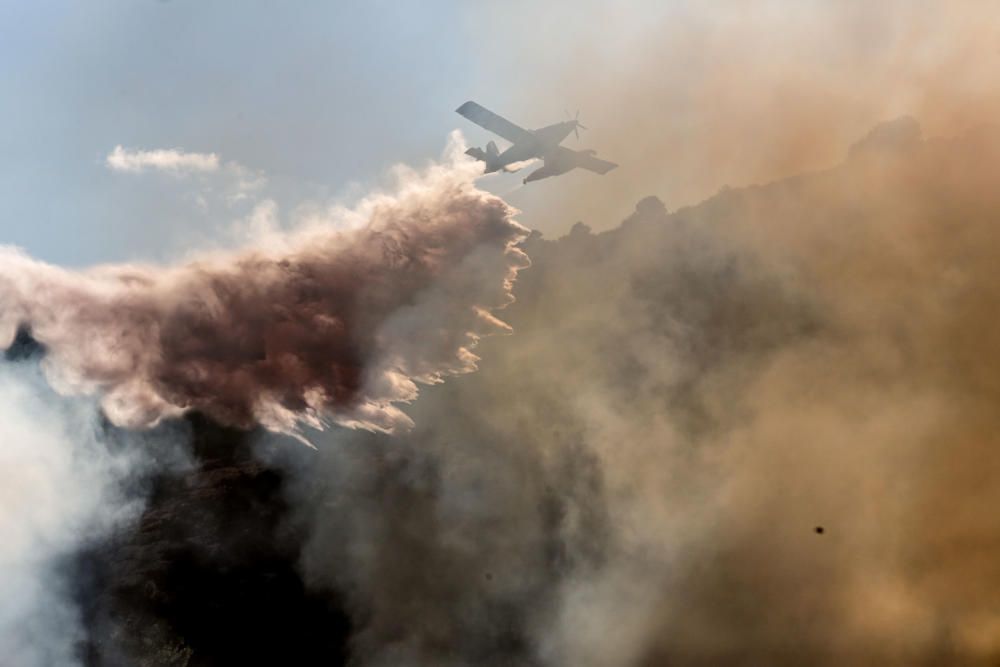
x,y
638,475
303,328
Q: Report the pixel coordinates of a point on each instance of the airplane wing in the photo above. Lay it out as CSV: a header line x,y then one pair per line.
x,y
594,164
498,125
569,158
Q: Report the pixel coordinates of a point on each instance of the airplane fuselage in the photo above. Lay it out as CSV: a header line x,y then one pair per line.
x,y
556,163
540,143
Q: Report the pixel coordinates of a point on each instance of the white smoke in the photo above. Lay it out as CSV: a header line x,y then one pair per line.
x,y
58,491
171,160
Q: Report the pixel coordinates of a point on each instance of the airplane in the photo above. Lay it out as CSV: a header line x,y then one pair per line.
x,y
542,143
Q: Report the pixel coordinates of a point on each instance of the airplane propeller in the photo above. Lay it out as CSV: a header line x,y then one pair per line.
x,y
577,125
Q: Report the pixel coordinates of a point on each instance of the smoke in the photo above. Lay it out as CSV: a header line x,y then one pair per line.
x,y
850,394
687,97
66,483
45,503
304,328
170,160
636,477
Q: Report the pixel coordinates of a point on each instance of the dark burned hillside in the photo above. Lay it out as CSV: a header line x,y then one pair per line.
x,y
208,575
636,476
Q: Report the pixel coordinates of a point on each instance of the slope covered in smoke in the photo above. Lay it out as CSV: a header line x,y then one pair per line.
x,y
635,476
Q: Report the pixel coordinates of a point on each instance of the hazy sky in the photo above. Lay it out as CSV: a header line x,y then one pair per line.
x,y
306,103
320,101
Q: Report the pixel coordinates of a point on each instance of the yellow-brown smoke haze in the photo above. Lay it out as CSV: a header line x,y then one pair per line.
x,y
690,96
818,351
885,427
694,393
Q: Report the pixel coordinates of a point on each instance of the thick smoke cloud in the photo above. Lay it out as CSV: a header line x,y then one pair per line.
x,y
635,477
302,328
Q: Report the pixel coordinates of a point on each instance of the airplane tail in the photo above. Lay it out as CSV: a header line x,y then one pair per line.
x,y
489,156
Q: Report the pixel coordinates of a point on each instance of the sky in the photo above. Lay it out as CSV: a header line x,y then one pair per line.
x,y
316,99
313,105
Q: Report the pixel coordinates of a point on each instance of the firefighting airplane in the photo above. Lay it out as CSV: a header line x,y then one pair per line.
x,y
542,143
